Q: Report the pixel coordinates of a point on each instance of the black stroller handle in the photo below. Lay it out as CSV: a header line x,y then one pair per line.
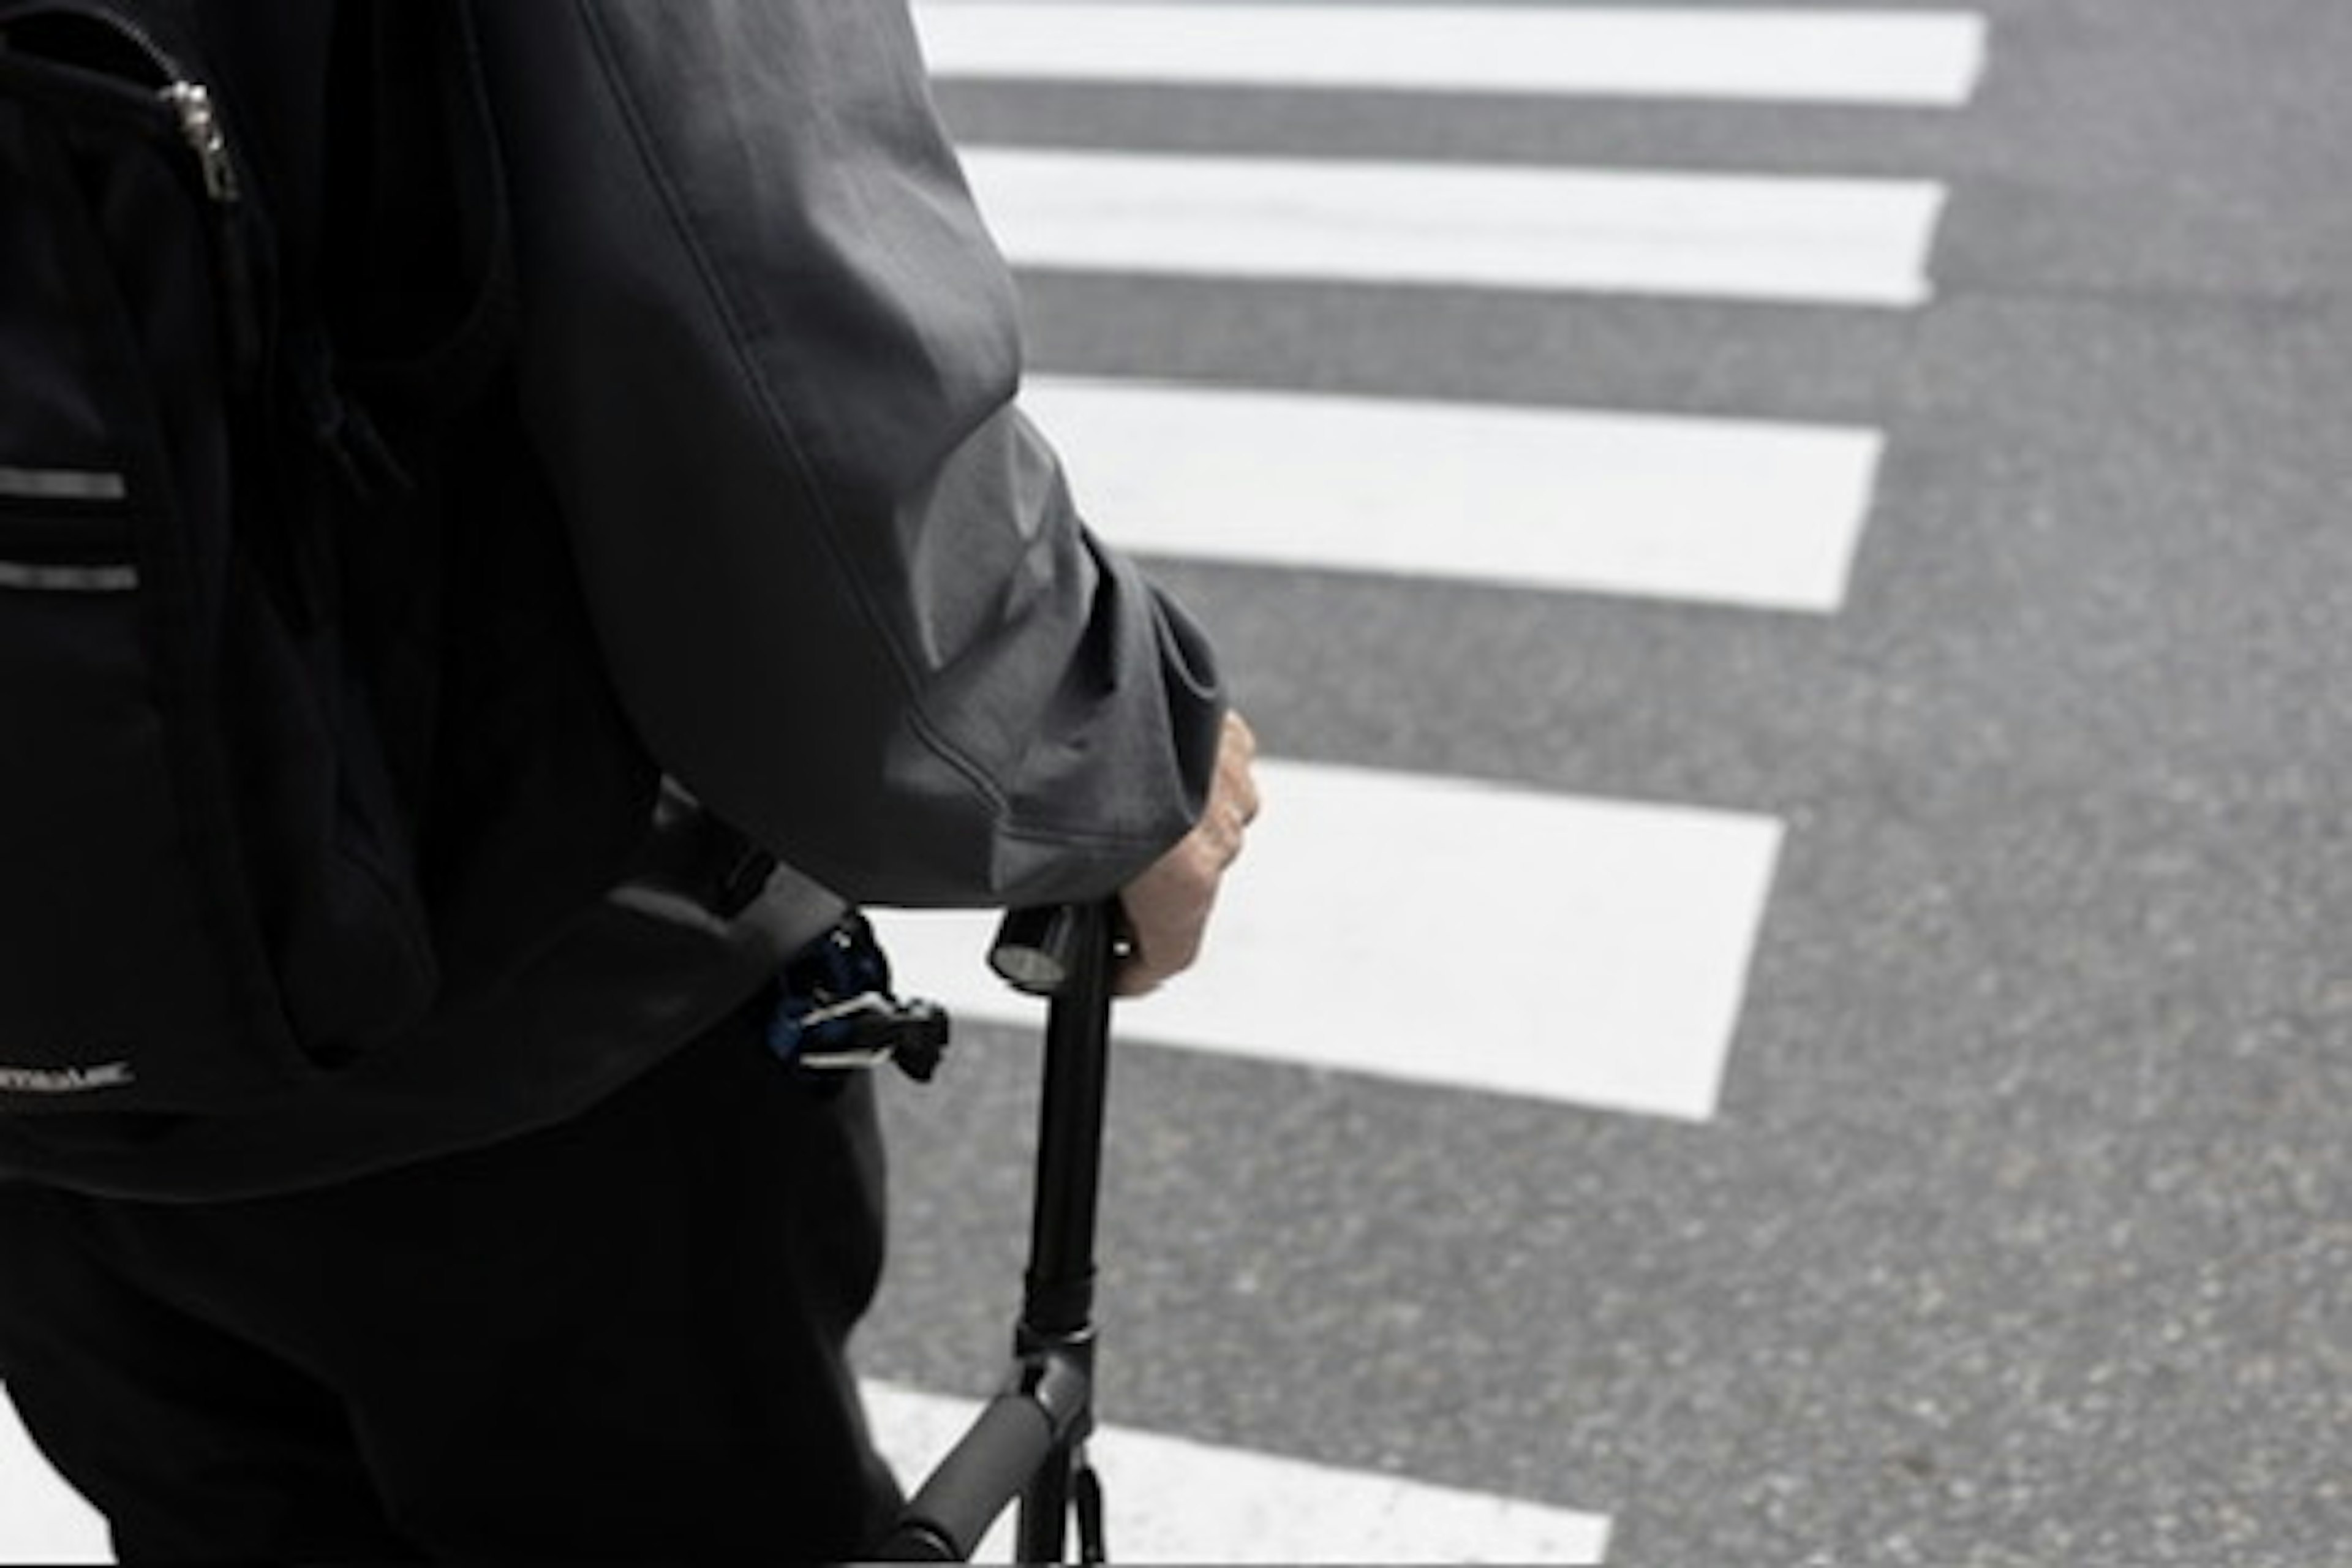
x,y
1036,949
1001,1458
1028,1443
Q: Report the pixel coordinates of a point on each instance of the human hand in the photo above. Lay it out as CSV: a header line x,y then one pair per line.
x,y
1169,905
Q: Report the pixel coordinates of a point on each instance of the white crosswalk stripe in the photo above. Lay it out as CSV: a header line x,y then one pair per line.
x,y
1442,932
1614,939
1609,941
1816,240
1170,1500
40,1519
1720,511
1924,59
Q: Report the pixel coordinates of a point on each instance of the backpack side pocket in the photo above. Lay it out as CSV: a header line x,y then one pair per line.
x,y
204,899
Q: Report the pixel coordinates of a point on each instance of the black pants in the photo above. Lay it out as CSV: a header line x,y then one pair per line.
x,y
620,1339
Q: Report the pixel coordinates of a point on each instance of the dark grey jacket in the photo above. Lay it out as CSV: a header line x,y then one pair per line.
x,y
769,358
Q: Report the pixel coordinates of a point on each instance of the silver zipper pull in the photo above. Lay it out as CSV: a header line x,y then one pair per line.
x,y
199,127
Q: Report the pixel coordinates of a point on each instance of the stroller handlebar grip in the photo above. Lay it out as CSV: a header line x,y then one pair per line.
x,y
1038,950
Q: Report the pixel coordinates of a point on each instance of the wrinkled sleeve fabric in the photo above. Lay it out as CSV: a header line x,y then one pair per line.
x,y
769,357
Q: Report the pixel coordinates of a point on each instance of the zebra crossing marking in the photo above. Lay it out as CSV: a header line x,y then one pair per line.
x,y
1716,510
1450,933
1175,1500
1923,59
41,1518
1653,870
1791,239
1171,1500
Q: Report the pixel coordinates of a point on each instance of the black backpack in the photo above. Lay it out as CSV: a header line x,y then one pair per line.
x,y
261,764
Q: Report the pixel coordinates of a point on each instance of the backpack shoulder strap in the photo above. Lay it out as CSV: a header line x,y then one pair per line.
x,y
377,138
440,211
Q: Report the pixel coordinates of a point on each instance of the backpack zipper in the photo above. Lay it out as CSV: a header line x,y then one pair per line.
x,y
189,101
196,120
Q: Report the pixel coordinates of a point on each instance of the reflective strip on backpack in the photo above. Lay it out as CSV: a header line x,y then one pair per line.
x,y
65,487
29,577
61,484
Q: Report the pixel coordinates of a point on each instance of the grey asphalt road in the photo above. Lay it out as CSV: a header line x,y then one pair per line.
x,y
2023,1234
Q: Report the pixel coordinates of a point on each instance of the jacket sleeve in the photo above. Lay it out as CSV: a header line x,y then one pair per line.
x,y
770,356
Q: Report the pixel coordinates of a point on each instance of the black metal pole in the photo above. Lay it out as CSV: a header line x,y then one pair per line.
x,y
1057,1310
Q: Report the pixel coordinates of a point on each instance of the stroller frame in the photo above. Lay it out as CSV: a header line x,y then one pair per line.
x,y
1028,1444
